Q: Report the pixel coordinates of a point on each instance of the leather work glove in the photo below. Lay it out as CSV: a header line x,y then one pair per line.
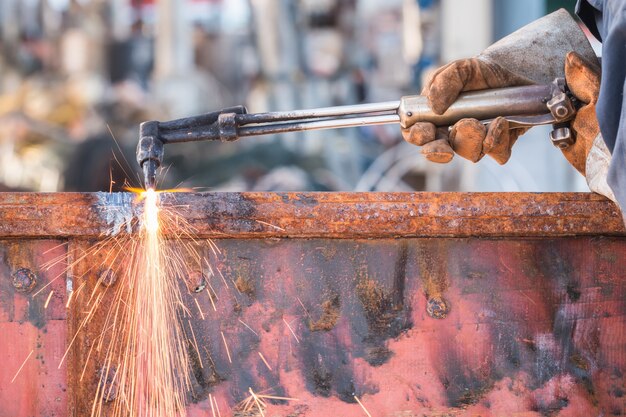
x,y
472,140
532,55
468,138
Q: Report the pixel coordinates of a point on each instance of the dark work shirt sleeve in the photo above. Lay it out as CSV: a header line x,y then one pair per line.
x,y
607,20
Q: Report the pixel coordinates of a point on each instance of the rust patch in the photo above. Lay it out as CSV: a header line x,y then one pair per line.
x,y
245,286
378,305
322,379
107,383
580,362
432,260
472,396
23,259
384,320
331,310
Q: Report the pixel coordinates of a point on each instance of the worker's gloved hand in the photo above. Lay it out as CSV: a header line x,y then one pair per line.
x,y
532,55
468,138
472,140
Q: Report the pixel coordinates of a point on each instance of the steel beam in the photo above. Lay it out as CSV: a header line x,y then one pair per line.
x,y
327,215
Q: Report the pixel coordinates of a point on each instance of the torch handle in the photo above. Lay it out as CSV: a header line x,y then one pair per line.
x,y
481,105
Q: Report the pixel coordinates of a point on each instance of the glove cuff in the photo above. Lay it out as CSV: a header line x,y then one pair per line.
x,y
597,168
537,51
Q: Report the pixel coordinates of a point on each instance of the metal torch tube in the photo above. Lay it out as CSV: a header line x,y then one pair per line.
x,y
317,125
486,104
337,111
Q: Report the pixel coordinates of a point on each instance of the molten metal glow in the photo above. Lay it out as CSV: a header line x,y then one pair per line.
x,y
151,211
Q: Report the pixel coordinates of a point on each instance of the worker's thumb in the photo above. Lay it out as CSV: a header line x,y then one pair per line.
x,y
467,75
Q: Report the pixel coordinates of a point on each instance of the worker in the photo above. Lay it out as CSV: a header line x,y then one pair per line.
x,y
599,151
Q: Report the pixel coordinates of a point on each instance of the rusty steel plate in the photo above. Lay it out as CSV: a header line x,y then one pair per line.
x,y
474,304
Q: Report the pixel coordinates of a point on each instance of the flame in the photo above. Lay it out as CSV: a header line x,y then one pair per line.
x,y
141,193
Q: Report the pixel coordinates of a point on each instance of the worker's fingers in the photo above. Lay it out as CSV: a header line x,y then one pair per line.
x,y
447,84
500,140
469,138
466,138
433,140
438,151
419,134
585,127
583,78
467,75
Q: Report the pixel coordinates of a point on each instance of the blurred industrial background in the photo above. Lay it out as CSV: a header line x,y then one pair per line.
x,y
78,76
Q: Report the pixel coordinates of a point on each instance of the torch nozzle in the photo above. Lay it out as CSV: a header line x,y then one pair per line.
x,y
149,152
149,174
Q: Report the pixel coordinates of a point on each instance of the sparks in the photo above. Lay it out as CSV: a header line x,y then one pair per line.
x,y
291,330
257,400
23,363
362,406
226,346
217,407
146,352
48,299
265,361
142,347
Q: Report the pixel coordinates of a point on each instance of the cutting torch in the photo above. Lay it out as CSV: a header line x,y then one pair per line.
x,y
524,106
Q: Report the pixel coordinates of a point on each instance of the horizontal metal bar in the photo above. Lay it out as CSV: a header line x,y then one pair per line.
x,y
200,120
324,215
296,126
212,132
201,133
336,111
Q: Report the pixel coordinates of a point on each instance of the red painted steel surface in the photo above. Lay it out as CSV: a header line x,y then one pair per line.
x,y
534,328
40,388
412,326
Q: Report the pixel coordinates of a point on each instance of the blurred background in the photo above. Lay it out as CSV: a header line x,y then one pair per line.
x,y
78,76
